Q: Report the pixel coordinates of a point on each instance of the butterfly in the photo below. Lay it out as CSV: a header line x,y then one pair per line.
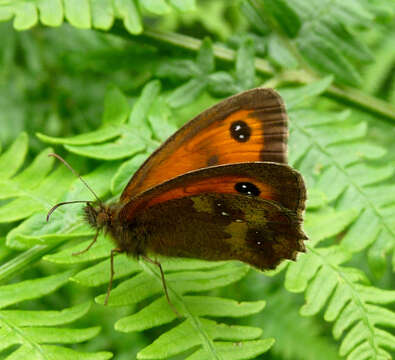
x,y
218,189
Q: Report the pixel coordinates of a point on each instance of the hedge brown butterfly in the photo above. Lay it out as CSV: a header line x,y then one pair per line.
x,y
218,189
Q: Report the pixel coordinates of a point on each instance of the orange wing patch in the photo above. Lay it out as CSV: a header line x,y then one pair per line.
x,y
248,127
223,185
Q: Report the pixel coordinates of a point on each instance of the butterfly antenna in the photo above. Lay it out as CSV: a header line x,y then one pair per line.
x,y
64,203
76,174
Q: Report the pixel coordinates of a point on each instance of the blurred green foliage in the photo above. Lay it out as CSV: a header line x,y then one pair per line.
x,y
104,83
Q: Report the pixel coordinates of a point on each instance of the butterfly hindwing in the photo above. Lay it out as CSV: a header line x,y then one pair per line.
x,y
251,126
221,227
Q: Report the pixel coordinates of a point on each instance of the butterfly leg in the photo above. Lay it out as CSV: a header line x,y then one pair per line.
x,y
162,274
112,273
89,246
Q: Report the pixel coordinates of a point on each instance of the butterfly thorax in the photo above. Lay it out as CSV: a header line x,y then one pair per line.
x,y
105,217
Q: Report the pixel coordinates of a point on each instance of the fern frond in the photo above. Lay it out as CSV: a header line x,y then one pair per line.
x,y
337,169
318,31
200,75
96,14
353,306
331,151
282,320
182,276
33,330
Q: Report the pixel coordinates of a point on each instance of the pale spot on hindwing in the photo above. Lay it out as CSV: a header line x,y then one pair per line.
x,y
202,204
237,231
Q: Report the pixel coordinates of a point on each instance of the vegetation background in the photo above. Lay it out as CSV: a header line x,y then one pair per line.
x,y
104,82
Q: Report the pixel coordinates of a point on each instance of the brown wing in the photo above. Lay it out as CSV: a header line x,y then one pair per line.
x,y
221,227
251,126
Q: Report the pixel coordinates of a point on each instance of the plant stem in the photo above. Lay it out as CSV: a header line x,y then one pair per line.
x,y
20,262
344,94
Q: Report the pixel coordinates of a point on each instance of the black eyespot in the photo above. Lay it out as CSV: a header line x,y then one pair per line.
x,y
240,131
247,188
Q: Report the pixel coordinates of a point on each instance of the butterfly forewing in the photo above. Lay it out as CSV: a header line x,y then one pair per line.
x,y
251,126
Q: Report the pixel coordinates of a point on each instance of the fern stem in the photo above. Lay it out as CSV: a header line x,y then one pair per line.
x,y
206,341
7,324
355,298
343,94
20,262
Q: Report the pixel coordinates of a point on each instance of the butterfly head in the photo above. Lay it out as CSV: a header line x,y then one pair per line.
x,y
97,215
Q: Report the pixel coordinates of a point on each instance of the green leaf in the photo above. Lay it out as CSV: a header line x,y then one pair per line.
x,y
126,145
236,350
222,83
205,57
158,7
78,13
245,68
127,10
45,318
29,178
184,337
349,301
284,16
323,224
116,107
56,352
51,12
100,250
329,59
48,335
99,14
181,281
178,69
12,159
102,14
25,16
280,54
99,274
184,5
105,134
297,97
159,120
187,93
125,173
31,289
158,313
143,105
